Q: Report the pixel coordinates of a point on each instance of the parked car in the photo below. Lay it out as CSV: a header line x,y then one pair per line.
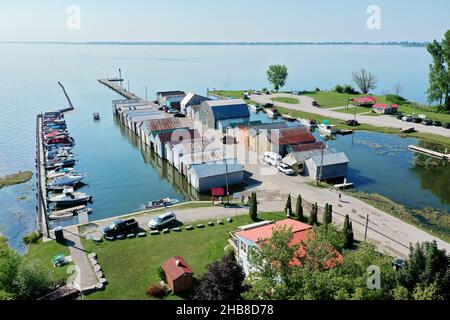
x,y
315,104
272,158
352,123
268,105
427,122
162,220
407,118
120,227
282,167
446,125
172,111
179,115
417,120
161,108
437,124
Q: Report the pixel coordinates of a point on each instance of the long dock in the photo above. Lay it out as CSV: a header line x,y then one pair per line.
x,y
430,152
115,87
41,194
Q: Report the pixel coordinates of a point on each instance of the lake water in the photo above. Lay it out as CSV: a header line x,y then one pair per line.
x,y
123,176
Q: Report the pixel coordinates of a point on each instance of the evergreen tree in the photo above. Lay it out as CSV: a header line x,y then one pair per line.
x,y
313,217
288,207
325,214
330,213
253,210
299,209
348,233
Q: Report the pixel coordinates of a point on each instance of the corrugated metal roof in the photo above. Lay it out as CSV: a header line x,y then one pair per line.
x,y
306,147
211,170
206,156
291,135
330,159
177,135
198,145
169,93
163,124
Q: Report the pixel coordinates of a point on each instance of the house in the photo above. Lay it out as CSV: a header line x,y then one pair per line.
x,y
190,100
218,114
162,140
332,166
251,236
173,102
364,101
206,176
383,108
278,140
179,275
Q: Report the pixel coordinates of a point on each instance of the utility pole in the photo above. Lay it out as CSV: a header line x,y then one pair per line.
x,y
146,93
321,165
226,179
129,86
367,226
120,77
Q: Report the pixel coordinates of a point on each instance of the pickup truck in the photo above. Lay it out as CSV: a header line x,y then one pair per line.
x,y
121,227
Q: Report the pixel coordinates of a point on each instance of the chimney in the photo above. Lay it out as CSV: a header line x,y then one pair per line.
x,y
177,262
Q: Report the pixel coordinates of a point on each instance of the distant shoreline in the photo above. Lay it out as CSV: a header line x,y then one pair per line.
x,y
244,43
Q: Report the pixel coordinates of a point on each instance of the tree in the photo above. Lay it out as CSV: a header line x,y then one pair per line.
x,y
288,206
277,76
32,282
348,233
439,74
299,208
253,210
272,275
365,80
10,262
427,266
325,215
222,281
313,216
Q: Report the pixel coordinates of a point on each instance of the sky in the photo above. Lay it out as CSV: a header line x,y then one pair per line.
x,y
231,20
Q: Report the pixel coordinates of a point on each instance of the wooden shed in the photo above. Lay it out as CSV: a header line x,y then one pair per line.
x,y
179,276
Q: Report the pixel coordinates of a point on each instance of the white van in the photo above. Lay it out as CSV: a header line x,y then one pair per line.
x,y
272,158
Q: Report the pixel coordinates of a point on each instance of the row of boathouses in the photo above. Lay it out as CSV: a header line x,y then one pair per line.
x,y
187,131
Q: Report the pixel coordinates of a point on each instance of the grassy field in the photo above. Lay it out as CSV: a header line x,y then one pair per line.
x,y
359,110
331,99
15,178
287,100
42,253
130,266
428,111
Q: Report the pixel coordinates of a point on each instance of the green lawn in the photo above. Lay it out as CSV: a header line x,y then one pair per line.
x,y
287,100
15,178
42,253
331,99
130,266
428,111
359,110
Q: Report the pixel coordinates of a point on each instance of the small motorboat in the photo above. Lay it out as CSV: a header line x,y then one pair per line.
x,y
60,162
59,172
69,213
70,198
58,154
308,122
328,129
166,202
67,180
96,116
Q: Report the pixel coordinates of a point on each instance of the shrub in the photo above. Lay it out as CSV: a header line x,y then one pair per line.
x,y
317,89
396,99
156,291
31,238
339,89
349,89
161,274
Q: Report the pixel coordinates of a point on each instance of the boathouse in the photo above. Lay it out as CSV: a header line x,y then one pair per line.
x,y
218,114
334,166
163,140
298,154
161,96
189,101
174,152
278,140
204,177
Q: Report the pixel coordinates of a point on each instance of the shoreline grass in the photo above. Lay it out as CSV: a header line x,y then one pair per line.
x,y
15,178
433,221
286,100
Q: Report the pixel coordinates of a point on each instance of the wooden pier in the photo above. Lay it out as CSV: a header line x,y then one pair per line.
x,y
41,194
432,153
70,107
115,87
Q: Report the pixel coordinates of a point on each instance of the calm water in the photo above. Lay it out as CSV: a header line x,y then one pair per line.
x,y
123,175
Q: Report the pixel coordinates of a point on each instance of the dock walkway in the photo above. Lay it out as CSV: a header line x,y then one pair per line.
x,y
115,87
430,152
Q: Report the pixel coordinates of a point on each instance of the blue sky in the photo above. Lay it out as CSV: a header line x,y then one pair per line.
x,y
232,20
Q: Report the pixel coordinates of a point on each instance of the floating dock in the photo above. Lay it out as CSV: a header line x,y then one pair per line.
x,y
429,152
41,194
115,87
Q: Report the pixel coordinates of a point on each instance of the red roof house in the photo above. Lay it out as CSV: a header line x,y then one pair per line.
x,y
383,108
179,275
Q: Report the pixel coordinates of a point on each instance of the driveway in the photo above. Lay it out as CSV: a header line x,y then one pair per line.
x,y
306,105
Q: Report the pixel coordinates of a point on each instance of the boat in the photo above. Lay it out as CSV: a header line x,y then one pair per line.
x,y
288,118
255,108
326,128
166,202
70,198
308,122
272,113
59,172
58,154
407,130
69,213
67,180
60,162
96,116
